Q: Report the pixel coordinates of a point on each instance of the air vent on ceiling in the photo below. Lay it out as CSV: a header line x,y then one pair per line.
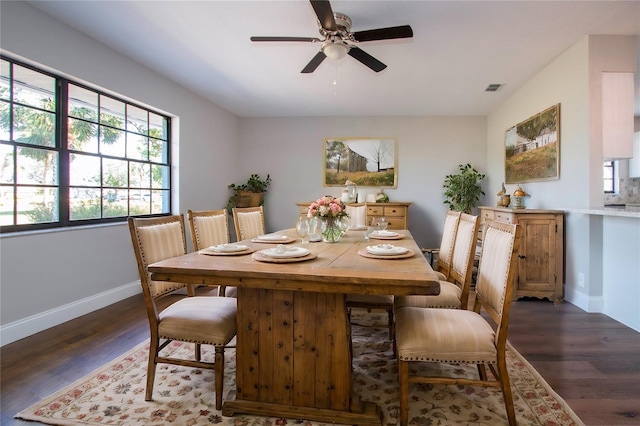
x,y
493,87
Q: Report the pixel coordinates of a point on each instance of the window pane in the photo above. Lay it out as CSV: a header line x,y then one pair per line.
x,y
158,151
112,142
137,121
33,126
6,164
160,202
4,79
157,126
37,205
83,103
137,147
139,175
4,121
37,166
33,88
111,112
84,170
114,204
160,175
84,203
114,173
6,205
82,136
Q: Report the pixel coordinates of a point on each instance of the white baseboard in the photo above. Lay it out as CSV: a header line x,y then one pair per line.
x,y
583,301
26,327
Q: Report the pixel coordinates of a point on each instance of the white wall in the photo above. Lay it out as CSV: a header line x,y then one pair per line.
x,y
429,148
49,277
573,80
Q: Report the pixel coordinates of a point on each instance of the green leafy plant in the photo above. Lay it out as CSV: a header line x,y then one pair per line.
x,y
255,184
463,190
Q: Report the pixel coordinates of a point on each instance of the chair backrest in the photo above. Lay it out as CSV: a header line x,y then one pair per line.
x,y
357,215
249,222
156,239
208,228
496,275
464,255
445,254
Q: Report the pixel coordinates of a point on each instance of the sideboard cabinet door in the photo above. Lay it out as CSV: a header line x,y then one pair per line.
x,y
541,251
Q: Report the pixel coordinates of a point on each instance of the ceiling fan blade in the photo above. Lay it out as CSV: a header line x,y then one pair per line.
x,y
277,38
325,14
313,64
365,58
403,31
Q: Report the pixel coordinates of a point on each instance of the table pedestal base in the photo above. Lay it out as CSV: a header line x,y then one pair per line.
x,y
293,358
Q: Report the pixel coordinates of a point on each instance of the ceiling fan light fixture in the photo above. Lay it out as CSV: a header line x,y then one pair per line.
x,y
335,50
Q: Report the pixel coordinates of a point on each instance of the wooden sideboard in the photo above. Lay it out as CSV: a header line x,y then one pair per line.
x,y
541,253
397,213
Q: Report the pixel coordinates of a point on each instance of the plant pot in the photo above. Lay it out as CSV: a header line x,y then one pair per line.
x,y
249,199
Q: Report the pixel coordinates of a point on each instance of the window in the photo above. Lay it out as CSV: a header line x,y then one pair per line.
x,y
609,173
72,155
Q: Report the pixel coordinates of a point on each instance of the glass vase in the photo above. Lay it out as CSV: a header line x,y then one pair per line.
x,y
331,231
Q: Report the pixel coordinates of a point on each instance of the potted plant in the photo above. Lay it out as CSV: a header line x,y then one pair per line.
x,y
463,190
249,194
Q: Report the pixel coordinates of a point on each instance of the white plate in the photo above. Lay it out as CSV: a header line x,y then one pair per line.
x,y
385,233
357,228
272,237
228,248
285,252
386,250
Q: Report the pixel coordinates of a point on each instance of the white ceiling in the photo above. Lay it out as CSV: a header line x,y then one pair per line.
x,y
458,48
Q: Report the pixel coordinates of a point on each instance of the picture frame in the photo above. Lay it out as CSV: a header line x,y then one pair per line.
x,y
532,148
365,161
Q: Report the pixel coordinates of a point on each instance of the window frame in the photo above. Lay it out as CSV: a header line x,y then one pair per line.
x,y
609,177
64,152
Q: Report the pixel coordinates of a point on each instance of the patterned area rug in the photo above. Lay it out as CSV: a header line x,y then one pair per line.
x,y
114,394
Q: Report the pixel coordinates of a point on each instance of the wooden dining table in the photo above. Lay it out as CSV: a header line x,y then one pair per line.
x,y
293,353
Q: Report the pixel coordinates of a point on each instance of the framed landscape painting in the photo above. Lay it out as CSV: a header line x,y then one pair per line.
x,y
363,161
532,148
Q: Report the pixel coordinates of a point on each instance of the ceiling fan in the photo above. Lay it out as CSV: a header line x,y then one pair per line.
x,y
338,40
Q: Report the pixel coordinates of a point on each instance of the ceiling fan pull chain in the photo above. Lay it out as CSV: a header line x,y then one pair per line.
x,y
335,79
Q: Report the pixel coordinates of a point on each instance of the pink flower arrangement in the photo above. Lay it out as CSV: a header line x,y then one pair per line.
x,y
327,206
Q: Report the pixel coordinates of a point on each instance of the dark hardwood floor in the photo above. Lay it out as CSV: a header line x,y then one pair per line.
x,y
590,360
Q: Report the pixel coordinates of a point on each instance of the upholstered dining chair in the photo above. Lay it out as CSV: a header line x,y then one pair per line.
x,y
458,336
248,222
194,319
454,293
208,228
357,215
445,251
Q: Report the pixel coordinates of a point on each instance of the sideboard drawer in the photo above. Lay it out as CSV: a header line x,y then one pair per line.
x,y
487,215
504,217
395,211
375,211
395,223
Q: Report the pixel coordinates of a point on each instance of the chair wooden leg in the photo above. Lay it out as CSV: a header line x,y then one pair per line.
x,y
403,379
391,324
222,290
482,371
198,352
506,391
151,369
219,372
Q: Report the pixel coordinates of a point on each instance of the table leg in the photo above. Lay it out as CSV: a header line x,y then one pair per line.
x,y
294,359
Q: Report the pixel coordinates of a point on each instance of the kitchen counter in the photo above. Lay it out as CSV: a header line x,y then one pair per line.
x,y
629,210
